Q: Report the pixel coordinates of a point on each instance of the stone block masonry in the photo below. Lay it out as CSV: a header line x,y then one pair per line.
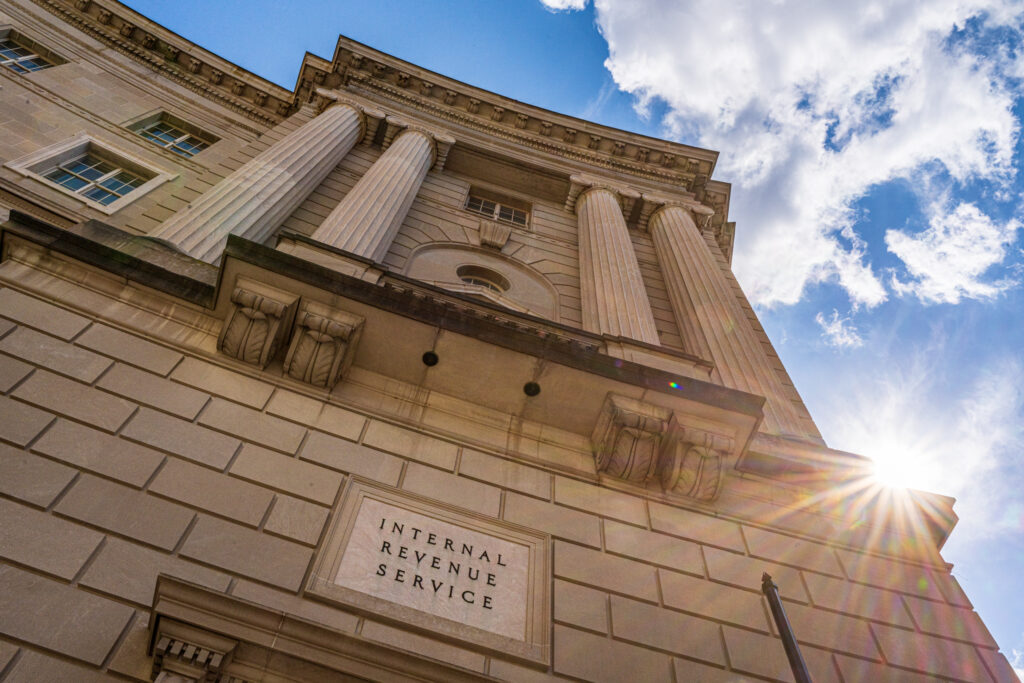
x,y
228,481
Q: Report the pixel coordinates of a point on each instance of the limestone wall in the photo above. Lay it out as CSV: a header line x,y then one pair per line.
x,y
124,457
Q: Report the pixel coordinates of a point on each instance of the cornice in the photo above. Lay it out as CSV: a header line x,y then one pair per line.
x,y
190,66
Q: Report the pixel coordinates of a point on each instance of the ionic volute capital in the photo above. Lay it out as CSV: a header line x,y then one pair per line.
x,y
369,117
653,203
580,185
441,142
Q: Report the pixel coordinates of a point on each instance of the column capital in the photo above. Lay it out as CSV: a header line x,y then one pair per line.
x,y
653,203
442,142
370,118
579,185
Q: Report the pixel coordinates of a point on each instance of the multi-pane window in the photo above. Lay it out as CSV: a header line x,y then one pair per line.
x,y
20,58
496,210
94,179
173,138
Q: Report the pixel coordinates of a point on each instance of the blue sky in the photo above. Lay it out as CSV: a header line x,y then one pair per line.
x,y
875,153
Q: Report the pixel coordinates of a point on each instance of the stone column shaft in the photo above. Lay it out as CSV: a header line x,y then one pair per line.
x,y
254,200
698,292
612,290
368,218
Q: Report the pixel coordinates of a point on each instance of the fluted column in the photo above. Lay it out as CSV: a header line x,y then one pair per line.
x,y
368,218
699,293
254,200
612,290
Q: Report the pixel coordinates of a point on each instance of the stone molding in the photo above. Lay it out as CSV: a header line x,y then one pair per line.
x,y
117,28
640,443
494,234
256,323
323,346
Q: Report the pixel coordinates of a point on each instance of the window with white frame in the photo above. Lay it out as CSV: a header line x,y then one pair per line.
x,y
23,55
100,175
173,138
94,178
499,208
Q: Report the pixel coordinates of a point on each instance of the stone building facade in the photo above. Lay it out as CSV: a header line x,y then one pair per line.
x,y
392,378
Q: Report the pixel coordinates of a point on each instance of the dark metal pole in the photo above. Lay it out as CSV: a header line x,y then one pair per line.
x,y
796,660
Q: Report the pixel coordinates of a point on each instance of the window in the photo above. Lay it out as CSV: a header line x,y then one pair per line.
x,y
98,174
95,179
483,277
174,138
24,55
172,133
505,210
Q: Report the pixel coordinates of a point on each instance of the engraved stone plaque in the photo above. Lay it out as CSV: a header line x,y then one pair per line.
x,y
438,568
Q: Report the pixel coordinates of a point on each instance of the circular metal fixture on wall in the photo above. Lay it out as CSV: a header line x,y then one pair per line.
x,y
531,388
430,359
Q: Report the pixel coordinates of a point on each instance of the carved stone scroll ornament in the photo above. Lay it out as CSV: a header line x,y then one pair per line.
x,y
628,439
323,345
255,326
693,462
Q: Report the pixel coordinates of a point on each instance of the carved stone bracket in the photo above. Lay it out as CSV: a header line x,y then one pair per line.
x,y
323,344
641,443
693,462
494,234
628,438
257,322
186,653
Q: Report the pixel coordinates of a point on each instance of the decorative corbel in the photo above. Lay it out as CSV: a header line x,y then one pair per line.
x,y
442,145
472,105
216,76
82,5
595,142
450,96
194,65
355,61
259,97
238,87
148,41
171,53
257,322
127,29
105,16
569,135
323,344
494,234
283,107
402,79
692,462
426,88
186,653
497,113
521,120
545,128
628,438
618,149
641,155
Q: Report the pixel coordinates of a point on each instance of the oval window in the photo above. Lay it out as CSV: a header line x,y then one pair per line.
x,y
483,277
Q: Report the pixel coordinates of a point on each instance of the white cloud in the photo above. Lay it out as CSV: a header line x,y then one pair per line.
x,y
962,445
812,104
948,260
564,5
838,332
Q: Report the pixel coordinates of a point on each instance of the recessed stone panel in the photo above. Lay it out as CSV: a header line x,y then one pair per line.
x,y
427,564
